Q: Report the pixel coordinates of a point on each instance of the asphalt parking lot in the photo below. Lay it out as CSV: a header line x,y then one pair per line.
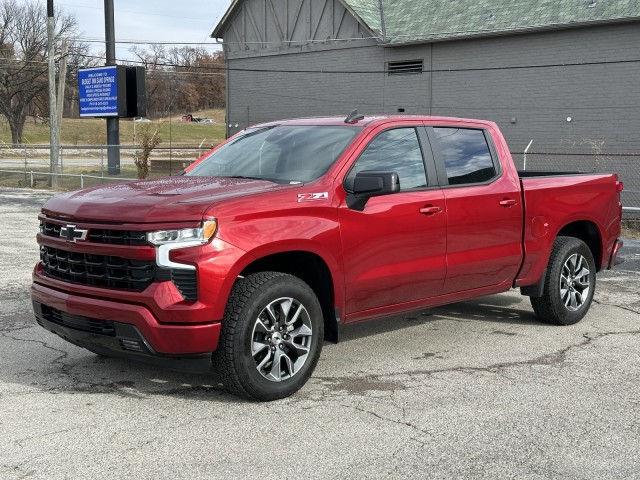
x,y
474,390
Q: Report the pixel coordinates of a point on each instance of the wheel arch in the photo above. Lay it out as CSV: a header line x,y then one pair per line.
x,y
314,271
588,232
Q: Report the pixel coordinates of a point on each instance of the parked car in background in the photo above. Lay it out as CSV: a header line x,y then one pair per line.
x,y
188,118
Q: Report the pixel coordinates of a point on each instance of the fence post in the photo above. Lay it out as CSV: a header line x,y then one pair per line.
x,y
25,164
31,178
81,181
101,162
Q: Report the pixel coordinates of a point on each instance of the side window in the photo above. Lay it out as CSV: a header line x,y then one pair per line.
x,y
466,155
396,150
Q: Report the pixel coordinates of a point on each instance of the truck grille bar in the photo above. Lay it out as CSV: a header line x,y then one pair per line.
x,y
97,270
114,272
101,235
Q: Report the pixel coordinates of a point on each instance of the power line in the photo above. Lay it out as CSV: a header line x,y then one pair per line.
x,y
223,68
145,13
378,72
145,42
350,100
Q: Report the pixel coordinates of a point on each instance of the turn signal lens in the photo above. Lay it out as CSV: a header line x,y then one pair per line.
x,y
209,229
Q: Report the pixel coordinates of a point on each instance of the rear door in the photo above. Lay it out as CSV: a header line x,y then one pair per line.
x,y
483,208
394,248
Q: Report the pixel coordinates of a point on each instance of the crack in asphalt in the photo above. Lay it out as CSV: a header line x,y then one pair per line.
x,y
349,384
554,358
391,420
14,329
598,302
21,441
64,354
123,389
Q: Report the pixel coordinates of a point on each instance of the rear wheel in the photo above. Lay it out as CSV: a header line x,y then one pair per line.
x,y
570,283
271,336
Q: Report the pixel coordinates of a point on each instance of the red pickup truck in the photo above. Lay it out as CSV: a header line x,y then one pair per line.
x,y
264,246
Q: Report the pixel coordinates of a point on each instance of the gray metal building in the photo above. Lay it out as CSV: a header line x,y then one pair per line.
x,y
563,73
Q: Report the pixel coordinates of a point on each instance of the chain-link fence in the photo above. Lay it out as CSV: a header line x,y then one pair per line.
x,y
85,165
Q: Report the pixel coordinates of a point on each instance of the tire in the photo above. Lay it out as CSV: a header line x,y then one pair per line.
x,y
570,283
271,338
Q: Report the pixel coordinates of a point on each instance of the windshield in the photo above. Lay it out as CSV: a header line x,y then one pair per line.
x,y
283,154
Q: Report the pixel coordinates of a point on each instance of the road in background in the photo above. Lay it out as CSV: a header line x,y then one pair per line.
x,y
479,389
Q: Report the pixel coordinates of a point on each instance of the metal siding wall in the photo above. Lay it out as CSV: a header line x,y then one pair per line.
x,y
601,99
412,91
258,96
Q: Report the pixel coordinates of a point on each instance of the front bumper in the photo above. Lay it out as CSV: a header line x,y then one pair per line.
x,y
125,330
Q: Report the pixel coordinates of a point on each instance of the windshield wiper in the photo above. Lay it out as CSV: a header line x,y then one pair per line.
x,y
246,177
279,181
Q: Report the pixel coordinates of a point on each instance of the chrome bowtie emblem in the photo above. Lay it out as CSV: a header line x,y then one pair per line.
x,y
72,234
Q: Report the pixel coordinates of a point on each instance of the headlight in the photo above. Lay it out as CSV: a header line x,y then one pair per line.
x,y
191,236
168,240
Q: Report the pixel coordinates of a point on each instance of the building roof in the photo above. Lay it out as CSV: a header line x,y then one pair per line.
x,y
423,21
418,21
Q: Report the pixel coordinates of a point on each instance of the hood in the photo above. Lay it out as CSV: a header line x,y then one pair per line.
x,y
169,199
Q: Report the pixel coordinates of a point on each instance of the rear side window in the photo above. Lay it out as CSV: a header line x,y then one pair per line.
x,y
396,150
466,155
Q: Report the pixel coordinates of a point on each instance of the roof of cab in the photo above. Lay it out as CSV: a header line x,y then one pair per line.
x,y
373,120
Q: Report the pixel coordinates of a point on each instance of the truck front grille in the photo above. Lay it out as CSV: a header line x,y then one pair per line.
x,y
101,235
97,270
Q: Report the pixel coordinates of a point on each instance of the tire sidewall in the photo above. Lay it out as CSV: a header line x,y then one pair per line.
x,y
254,383
562,313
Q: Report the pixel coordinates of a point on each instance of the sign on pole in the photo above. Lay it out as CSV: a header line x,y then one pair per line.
x,y
101,92
112,91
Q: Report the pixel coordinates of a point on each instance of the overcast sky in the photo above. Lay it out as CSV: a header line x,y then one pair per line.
x,y
147,20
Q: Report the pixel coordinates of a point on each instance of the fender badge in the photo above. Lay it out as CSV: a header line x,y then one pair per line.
x,y
312,197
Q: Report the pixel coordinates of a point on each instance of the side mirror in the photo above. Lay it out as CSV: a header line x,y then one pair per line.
x,y
369,184
374,183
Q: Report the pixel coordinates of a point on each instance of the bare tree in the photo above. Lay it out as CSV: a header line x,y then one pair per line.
x,y
182,78
23,59
148,141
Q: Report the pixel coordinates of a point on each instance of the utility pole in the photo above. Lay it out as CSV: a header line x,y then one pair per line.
x,y
54,133
113,123
62,80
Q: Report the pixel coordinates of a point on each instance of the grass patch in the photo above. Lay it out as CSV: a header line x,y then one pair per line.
x,y
93,131
18,178
631,229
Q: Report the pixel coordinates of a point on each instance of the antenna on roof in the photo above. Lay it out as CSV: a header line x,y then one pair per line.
x,y
354,117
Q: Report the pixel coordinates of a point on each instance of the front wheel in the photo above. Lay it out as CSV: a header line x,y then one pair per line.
x,y
271,336
570,283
